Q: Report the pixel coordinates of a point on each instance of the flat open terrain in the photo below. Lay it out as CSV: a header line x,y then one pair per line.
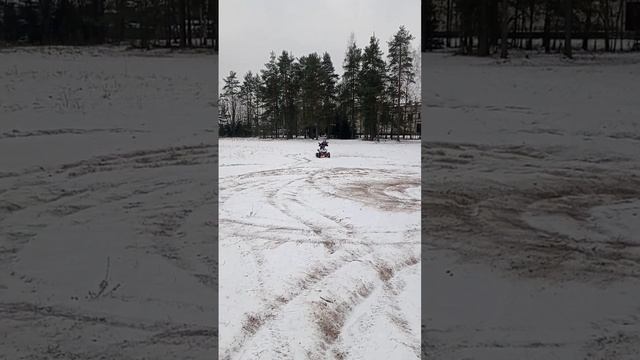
x,y
532,207
319,258
107,204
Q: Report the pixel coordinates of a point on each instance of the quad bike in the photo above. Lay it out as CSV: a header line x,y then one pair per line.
x,y
323,152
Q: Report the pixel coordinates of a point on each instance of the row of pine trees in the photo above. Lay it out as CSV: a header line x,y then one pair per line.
x,y
304,96
141,23
484,27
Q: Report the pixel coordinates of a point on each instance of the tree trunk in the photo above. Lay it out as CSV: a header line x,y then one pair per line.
x,y
547,26
587,28
516,16
189,22
483,34
568,12
121,20
606,18
532,10
45,30
397,122
504,29
618,26
167,26
448,24
183,23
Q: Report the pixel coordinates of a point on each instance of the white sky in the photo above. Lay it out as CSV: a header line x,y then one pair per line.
x,y
251,29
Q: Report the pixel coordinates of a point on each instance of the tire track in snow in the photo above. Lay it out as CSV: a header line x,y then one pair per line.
x,y
284,190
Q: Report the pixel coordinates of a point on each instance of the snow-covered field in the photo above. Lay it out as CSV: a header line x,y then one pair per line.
x,y
107,204
319,258
531,207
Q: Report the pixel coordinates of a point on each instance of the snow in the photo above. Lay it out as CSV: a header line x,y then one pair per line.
x,y
319,258
107,174
530,210
531,189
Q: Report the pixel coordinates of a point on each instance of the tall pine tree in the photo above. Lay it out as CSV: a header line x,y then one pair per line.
x,y
401,74
230,92
371,86
311,86
329,79
270,94
248,94
288,92
351,67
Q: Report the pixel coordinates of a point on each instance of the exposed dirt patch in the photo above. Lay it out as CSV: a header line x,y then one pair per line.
x,y
385,271
330,316
252,323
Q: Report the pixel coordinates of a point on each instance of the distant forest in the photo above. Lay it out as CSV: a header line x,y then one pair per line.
x,y
486,27
140,23
291,97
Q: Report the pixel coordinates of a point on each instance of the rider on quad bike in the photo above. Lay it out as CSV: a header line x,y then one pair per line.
x,y
322,152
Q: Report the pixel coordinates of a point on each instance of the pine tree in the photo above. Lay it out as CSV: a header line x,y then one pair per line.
x,y
401,74
328,81
371,86
351,67
568,15
311,86
343,128
230,91
269,94
248,95
256,83
504,28
288,92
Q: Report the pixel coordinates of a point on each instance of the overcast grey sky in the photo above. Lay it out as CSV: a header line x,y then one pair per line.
x,y
251,29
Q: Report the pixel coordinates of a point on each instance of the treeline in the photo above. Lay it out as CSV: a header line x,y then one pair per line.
x,y
485,27
141,23
304,96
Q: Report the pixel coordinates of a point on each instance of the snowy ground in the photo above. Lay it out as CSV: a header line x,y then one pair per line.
x,y
107,204
319,258
531,207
